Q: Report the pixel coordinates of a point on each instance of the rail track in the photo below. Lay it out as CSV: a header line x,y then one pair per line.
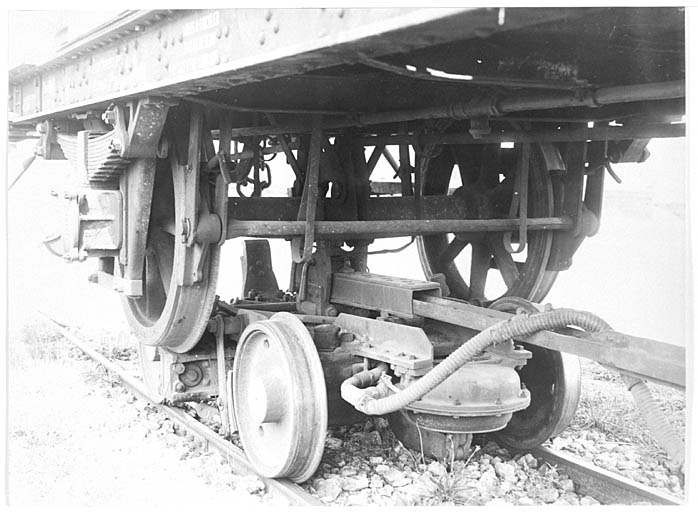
x,y
295,494
605,486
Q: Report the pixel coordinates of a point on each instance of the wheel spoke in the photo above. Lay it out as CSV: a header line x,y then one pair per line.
x,y
154,292
162,244
469,163
479,265
500,196
452,251
481,169
504,261
489,167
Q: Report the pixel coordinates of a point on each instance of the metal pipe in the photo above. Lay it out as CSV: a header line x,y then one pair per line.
x,y
492,106
641,92
389,228
594,98
548,135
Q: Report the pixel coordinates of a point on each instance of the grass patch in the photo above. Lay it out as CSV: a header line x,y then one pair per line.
x,y
40,342
119,346
450,489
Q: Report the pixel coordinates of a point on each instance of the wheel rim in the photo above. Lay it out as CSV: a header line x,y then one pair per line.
x,y
481,170
168,314
280,398
554,381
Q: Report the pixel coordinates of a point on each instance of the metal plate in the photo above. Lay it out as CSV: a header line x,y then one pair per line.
x,y
400,345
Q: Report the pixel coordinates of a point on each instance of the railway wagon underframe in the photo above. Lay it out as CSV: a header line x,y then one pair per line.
x,y
500,126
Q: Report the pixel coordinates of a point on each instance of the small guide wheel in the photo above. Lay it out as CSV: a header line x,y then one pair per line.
x,y
554,380
151,366
280,398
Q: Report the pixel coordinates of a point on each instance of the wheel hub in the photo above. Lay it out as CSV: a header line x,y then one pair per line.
x,y
267,403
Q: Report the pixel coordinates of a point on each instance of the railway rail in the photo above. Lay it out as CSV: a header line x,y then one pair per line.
x,y
236,458
483,134
603,485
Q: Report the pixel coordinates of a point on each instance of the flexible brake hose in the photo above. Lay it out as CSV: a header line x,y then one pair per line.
x,y
366,401
657,423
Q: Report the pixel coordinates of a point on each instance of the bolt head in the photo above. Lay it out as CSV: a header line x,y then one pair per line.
x,y
180,387
179,368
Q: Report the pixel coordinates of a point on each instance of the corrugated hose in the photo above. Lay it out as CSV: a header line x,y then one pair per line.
x,y
359,390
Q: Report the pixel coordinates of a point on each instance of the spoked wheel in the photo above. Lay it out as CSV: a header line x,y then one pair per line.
x,y
170,315
488,185
280,398
554,380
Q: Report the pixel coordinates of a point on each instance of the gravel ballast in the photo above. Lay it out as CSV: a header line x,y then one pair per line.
x,y
132,447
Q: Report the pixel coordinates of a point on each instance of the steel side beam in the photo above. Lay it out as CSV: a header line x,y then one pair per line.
x,y
654,360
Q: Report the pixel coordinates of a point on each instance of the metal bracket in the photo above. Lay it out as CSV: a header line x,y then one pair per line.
x,y
566,243
552,158
634,151
140,136
520,202
187,178
406,348
48,147
308,205
257,270
479,127
138,186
